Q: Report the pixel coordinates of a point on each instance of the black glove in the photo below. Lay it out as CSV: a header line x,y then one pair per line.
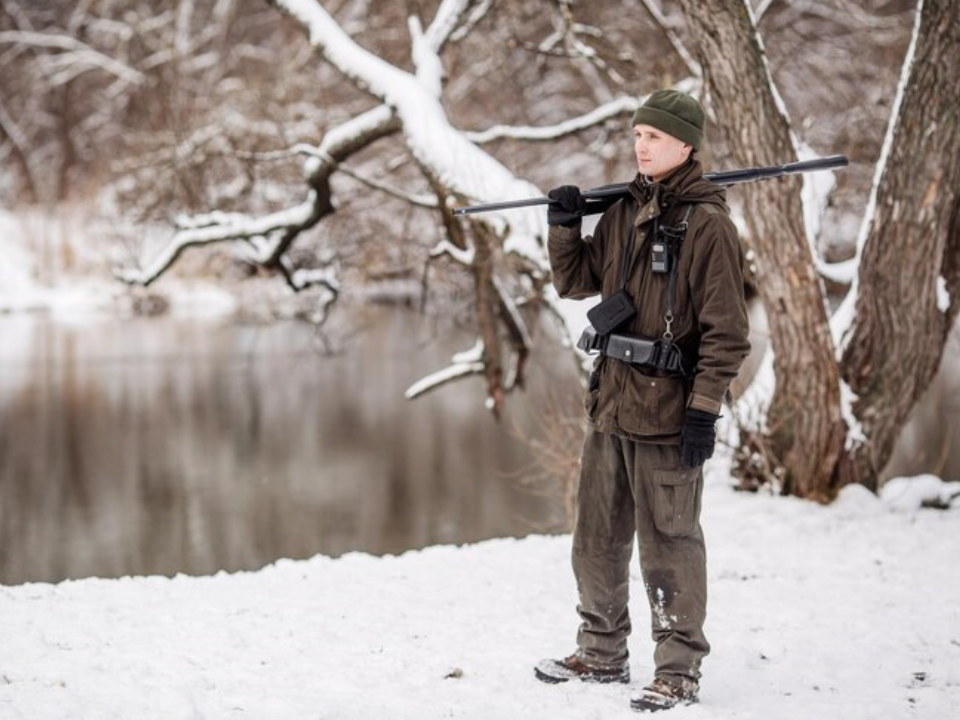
x,y
566,206
697,438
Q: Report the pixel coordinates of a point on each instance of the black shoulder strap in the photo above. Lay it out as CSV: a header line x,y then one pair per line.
x,y
674,237
629,258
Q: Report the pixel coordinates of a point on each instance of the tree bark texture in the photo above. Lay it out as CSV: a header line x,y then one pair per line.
x,y
488,304
804,420
912,251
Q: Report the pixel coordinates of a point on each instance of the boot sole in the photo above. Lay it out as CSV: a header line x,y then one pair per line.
x,y
641,706
595,679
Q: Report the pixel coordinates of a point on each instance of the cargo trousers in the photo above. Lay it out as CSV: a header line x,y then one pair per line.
x,y
626,489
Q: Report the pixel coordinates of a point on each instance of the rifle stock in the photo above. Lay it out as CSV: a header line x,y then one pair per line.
x,y
602,197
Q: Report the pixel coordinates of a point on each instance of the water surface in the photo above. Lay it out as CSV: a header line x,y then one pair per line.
x,y
164,446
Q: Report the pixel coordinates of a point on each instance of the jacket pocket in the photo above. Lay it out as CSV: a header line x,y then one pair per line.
x,y
652,405
676,501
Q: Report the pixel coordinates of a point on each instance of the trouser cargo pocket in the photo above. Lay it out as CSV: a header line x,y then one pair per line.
x,y
676,501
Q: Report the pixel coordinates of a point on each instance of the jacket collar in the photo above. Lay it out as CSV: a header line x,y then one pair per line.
x,y
654,198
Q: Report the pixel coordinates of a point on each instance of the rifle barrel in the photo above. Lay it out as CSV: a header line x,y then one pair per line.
x,y
725,178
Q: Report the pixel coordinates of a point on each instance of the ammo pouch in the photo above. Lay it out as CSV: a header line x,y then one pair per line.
x,y
652,354
612,312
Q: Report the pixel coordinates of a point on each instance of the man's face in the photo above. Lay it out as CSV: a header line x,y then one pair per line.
x,y
657,152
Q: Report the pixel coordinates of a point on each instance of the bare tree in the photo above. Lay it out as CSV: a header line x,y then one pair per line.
x,y
905,301
803,441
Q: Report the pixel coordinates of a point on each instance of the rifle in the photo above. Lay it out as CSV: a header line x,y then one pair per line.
x,y
602,197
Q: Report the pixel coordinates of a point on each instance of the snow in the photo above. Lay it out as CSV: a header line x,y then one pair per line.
x,y
425,59
943,295
817,188
17,270
855,434
815,197
22,287
573,319
851,611
29,283
908,493
752,407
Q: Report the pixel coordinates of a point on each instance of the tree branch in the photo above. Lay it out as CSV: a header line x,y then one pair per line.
x,y
597,116
77,51
656,14
279,229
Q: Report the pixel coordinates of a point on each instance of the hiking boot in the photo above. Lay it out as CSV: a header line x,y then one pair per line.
x,y
573,668
663,694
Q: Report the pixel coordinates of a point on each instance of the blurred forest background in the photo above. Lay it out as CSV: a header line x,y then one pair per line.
x,y
136,111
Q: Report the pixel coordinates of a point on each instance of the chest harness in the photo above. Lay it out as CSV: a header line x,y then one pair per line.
x,y
660,354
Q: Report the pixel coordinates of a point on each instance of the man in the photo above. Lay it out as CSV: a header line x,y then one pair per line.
x,y
652,422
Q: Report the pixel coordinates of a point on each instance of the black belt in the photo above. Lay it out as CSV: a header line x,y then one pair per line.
x,y
656,354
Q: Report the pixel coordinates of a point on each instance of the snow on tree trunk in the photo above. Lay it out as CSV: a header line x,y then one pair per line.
x,y
804,426
908,290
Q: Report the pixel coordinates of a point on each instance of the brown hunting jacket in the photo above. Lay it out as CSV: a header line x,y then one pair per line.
x,y
710,315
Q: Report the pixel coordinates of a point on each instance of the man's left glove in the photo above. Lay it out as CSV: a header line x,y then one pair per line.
x,y
566,206
697,438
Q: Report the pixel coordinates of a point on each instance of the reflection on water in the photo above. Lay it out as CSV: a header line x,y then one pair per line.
x,y
167,445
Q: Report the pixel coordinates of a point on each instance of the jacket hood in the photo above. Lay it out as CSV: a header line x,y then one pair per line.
x,y
683,185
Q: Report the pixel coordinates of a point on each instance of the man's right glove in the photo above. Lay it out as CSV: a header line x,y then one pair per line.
x,y
697,437
566,206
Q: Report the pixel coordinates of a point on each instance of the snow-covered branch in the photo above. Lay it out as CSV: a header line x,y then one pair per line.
x,y
450,18
445,247
461,365
762,9
457,163
212,229
597,116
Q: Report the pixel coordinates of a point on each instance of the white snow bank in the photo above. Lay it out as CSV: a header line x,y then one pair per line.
x,y
848,611
17,284
910,493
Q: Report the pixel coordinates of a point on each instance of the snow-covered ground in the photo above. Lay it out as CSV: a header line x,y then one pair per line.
x,y
850,611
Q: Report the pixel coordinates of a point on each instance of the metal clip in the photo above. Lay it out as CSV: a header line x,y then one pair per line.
x,y
667,334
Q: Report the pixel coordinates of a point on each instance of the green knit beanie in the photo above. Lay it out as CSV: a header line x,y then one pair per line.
x,y
675,113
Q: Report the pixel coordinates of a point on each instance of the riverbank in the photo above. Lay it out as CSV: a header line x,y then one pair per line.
x,y
851,611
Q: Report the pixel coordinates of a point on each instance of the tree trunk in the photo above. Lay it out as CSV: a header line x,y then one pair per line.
x,y
487,303
911,256
805,425
68,152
